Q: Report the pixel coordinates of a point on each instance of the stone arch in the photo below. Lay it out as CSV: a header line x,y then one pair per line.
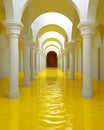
x,y
49,19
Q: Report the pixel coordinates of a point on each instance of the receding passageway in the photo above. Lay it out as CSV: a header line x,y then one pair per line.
x,y
51,59
53,102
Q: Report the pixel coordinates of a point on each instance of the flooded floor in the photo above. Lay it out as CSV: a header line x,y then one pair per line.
x,y
52,102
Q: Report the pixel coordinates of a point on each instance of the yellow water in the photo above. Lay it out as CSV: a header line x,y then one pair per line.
x,y
52,102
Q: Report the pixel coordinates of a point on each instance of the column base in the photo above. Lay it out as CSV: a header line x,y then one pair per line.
x,y
13,94
27,84
87,94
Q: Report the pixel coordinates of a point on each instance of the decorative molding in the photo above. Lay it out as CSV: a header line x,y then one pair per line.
x,y
87,27
13,27
72,44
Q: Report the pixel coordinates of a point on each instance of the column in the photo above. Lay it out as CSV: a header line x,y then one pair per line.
x,y
20,55
43,62
72,60
58,61
87,30
26,42
32,74
61,62
40,61
65,61
13,31
37,61
62,54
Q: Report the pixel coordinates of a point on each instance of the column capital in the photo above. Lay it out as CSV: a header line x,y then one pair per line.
x,y
13,27
87,27
72,44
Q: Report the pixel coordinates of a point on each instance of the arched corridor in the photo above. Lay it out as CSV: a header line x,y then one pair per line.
x,y
51,64
51,59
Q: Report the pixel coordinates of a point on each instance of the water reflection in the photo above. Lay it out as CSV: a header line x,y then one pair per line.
x,y
52,113
52,102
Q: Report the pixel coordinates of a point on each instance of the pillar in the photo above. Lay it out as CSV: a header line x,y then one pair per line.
x,y
62,55
65,61
20,55
26,42
13,31
58,62
37,61
44,61
72,61
87,30
61,62
32,67
40,61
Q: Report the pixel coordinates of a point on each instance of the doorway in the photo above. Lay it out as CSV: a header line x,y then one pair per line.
x,y
51,59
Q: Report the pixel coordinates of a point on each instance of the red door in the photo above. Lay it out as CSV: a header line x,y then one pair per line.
x,y
51,59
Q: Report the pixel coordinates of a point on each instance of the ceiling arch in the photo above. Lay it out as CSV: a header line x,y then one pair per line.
x,y
49,19
52,48
51,43
52,39
53,28
51,34
86,9
14,9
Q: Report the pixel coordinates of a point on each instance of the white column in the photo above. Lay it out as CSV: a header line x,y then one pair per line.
x,y
26,41
58,61
32,74
13,31
72,61
65,61
61,62
40,57
44,64
87,30
20,55
37,61
44,61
